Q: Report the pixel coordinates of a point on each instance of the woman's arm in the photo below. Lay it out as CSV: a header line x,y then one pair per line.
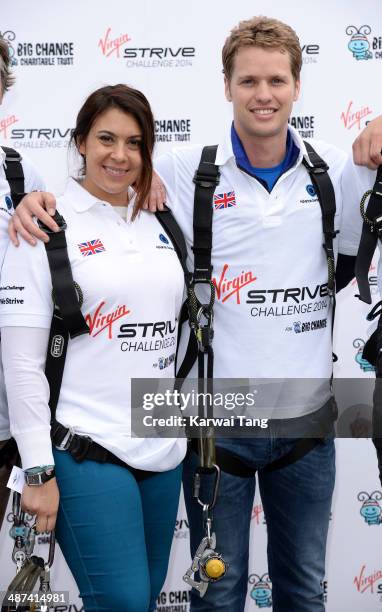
x,y
23,354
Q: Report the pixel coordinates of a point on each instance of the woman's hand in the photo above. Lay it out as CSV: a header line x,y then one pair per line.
x,y
42,501
33,204
157,195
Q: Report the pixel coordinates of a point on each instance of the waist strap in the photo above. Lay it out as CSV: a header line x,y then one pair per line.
x,y
83,447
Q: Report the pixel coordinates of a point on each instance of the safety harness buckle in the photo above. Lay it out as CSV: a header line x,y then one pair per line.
x,y
66,441
377,224
208,179
59,219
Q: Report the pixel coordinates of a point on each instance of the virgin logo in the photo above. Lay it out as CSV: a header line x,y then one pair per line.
x,y
226,288
99,321
352,118
257,512
363,582
5,123
111,45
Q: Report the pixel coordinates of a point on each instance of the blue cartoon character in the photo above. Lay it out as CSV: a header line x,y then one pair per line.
x,y
365,366
261,591
359,44
370,509
297,327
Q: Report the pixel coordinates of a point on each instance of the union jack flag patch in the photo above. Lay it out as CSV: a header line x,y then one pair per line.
x,y
91,247
224,200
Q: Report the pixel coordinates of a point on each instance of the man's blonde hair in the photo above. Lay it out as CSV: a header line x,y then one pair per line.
x,y
6,77
266,33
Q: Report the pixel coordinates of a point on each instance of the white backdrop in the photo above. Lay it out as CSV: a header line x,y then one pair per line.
x,y
171,51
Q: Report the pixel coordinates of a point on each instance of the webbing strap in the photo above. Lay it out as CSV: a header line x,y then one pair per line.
x,y
67,317
171,226
319,176
206,179
65,292
371,231
14,174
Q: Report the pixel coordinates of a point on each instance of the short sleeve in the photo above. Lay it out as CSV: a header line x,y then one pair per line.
x,y
25,287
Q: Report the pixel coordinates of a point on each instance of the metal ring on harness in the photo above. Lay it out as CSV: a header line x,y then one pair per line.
x,y
362,207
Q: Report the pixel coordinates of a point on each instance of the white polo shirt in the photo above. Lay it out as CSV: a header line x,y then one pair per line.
x,y
32,182
272,312
132,284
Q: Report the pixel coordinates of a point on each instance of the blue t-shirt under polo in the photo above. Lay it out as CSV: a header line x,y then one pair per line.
x,y
267,176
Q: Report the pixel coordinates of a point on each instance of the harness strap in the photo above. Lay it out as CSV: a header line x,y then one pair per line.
x,y
169,224
320,178
206,179
8,454
67,317
371,231
318,172
83,447
14,174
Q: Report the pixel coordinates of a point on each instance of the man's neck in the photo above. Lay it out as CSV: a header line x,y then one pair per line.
x,y
264,152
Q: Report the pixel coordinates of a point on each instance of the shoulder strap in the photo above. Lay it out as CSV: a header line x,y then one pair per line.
x,y
206,179
170,225
67,317
371,231
318,172
14,174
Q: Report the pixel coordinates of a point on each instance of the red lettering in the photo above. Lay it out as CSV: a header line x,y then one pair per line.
x,y
99,321
225,288
350,119
363,582
5,123
109,46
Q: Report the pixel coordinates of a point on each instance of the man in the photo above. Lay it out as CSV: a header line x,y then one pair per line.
x,y
270,236
32,182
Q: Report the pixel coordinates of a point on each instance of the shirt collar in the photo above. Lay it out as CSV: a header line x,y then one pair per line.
x,y
2,156
81,200
225,151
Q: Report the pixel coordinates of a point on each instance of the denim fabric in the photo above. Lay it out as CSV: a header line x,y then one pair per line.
x,y
116,533
297,503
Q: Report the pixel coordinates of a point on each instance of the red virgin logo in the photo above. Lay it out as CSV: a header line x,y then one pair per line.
x,y
6,123
99,321
110,45
230,287
351,118
363,582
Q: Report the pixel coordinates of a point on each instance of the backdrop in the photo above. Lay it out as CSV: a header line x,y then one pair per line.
x,y
171,51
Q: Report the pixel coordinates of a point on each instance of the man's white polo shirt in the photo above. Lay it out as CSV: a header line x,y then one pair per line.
x,y
132,284
32,182
272,309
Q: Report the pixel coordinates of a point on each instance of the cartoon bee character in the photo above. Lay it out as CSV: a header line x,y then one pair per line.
x,y
358,44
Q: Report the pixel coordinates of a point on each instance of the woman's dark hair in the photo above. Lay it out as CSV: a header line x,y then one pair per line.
x,y
130,101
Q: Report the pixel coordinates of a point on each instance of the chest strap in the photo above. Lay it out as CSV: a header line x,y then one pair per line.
x,y
371,232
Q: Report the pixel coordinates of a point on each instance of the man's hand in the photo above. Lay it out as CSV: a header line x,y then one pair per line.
x,y
157,195
42,501
34,204
367,147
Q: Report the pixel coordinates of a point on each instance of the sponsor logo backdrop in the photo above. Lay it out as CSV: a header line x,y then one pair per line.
x,y
171,51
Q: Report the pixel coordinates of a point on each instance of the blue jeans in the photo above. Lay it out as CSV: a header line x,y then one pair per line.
x,y
116,533
296,501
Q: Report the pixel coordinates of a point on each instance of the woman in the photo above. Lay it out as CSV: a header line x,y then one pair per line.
x,y
115,522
